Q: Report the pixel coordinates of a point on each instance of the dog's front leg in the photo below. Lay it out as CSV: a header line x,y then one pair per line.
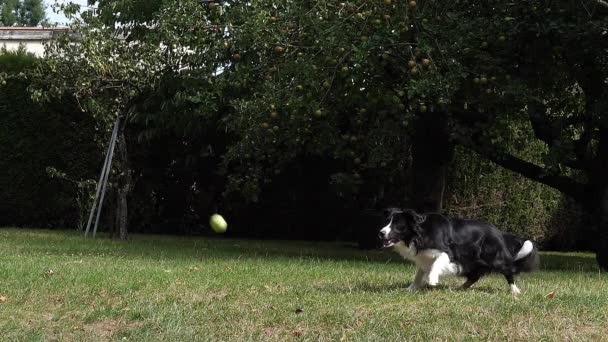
x,y
418,280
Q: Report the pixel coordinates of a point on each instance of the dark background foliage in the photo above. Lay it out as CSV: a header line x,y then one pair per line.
x,y
180,182
324,113
33,138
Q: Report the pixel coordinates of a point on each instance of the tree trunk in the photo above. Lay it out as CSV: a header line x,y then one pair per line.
x,y
601,199
432,152
601,252
124,187
115,224
122,217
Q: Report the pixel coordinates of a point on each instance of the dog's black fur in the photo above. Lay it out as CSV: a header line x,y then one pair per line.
x,y
478,247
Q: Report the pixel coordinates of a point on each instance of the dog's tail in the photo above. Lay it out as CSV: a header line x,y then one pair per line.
x,y
527,259
525,253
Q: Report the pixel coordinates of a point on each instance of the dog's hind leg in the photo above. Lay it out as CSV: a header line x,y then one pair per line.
x,y
514,289
471,279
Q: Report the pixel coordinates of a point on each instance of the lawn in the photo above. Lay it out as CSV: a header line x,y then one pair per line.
x,y
55,285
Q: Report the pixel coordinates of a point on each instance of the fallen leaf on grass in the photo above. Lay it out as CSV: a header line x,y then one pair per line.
x,y
297,333
550,295
3,299
179,282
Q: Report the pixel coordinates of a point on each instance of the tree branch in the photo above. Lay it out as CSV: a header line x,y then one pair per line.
x,y
529,170
550,132
601,4
543,128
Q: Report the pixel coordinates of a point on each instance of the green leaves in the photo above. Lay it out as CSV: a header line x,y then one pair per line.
x,y
21,12
290,78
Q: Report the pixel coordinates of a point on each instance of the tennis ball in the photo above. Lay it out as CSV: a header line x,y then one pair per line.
x,y
217,223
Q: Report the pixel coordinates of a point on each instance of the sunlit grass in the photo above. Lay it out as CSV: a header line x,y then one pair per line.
x,y
59,286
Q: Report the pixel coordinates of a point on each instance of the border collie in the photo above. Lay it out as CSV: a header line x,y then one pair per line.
x,y
442,246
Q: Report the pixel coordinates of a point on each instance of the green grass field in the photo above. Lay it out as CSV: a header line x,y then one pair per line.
x,y
55,285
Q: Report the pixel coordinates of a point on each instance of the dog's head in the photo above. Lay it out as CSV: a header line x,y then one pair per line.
x,y
403,225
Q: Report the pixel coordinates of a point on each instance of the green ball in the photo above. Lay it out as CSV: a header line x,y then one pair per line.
x,y
218,224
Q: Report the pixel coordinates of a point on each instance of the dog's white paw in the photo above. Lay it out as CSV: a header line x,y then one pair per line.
x,y
433,280
515,290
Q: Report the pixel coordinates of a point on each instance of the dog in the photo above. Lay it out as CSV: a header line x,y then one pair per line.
x,y
441,246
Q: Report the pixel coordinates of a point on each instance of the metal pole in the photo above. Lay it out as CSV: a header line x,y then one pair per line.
x,y
94,204
105,181
101,178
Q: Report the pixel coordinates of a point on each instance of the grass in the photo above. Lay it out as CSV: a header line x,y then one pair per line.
x,y
59,286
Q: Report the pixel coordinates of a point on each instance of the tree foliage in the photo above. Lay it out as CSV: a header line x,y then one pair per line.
x,y
348,79
351,81
21,12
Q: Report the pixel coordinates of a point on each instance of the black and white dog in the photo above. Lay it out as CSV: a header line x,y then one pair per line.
x,y
442,246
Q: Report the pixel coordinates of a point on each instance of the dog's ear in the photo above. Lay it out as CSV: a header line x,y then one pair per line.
x,y
420,218
417,218
391,210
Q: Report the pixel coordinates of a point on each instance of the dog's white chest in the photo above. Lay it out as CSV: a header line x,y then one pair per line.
x,y
426,259
408,252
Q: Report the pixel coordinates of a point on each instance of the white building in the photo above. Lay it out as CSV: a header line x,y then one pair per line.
x,y
33,38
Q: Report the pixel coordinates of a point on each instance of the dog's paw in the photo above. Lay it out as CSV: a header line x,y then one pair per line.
x,y
433,280
411,288
515,290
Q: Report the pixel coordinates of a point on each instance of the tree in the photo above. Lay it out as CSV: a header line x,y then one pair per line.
x,y
31,12
104,76
371,84
21,13
557,57
111,75
467,71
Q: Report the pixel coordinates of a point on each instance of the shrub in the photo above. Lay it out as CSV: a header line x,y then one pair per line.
x,y
34,138
482,190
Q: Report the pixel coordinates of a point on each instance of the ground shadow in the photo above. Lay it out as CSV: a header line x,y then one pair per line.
x,y
399,287
554,261
179,248
363,288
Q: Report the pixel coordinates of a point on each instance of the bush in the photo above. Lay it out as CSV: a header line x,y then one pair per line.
x,y
34,138
482,190
15,61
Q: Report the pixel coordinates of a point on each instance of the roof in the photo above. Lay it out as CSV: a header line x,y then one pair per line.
x,y
41,28
30,33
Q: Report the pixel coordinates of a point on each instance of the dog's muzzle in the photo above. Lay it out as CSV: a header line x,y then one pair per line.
x,y
386,242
